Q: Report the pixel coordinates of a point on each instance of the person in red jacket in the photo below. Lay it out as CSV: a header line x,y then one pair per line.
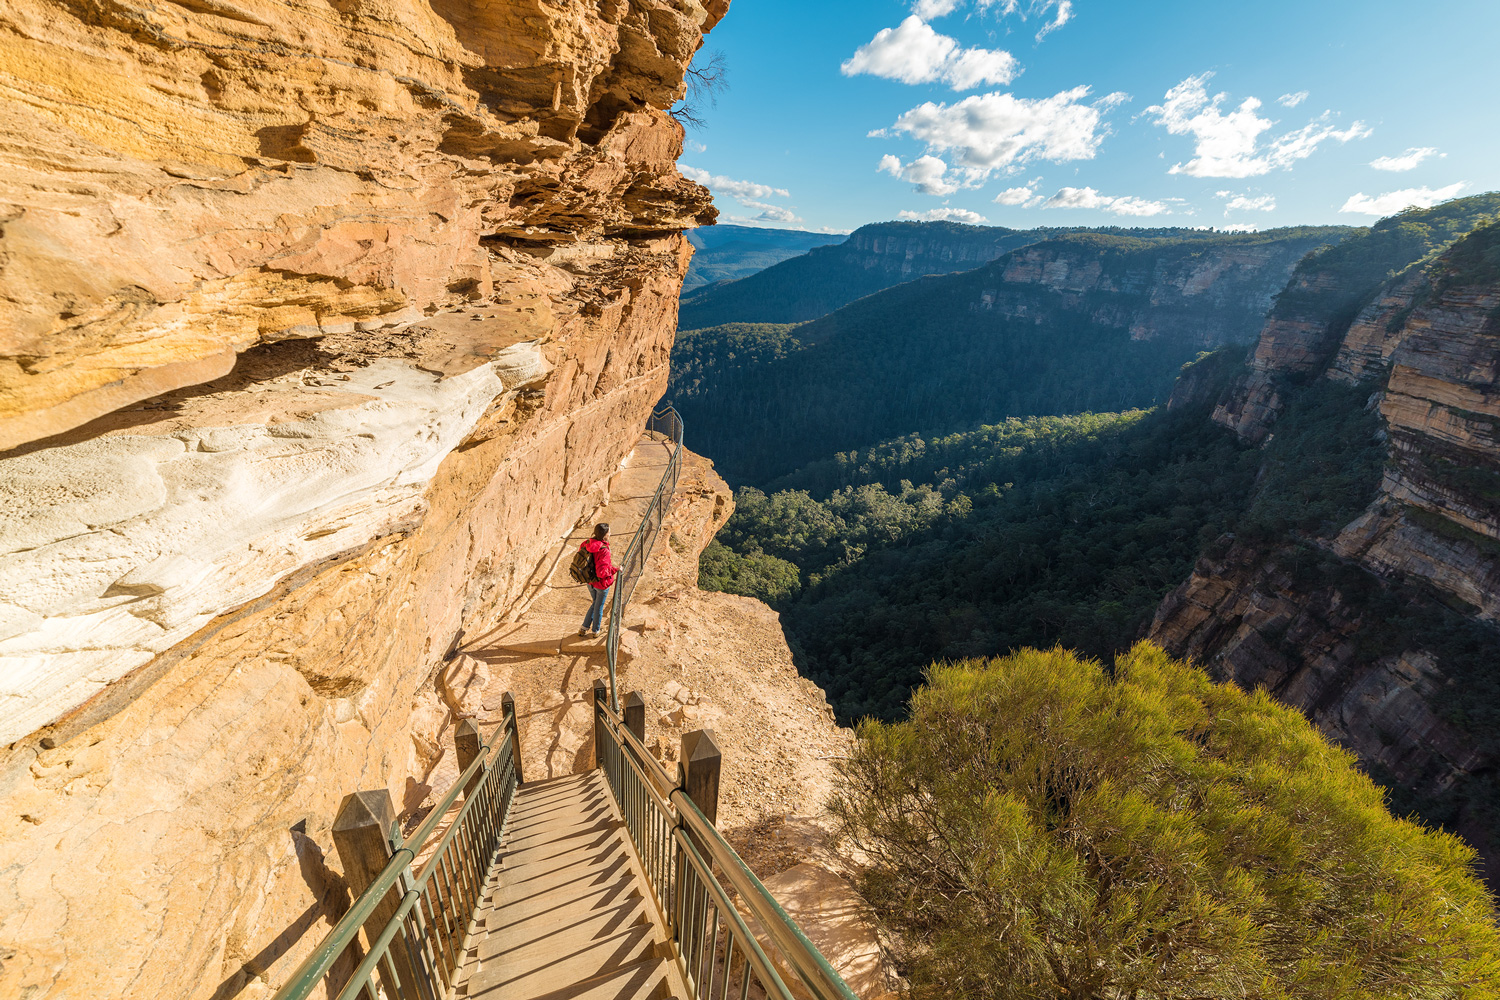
x,y
604,575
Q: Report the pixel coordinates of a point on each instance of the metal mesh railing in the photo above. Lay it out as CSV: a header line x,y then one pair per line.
x,y
668,424
691,870
416,954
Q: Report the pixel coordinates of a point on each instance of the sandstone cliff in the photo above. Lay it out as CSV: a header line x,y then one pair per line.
x,y
1339,291
324,322
1384,629
1200,292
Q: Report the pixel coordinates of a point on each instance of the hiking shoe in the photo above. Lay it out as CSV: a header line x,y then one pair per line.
x,y
594,634
584,633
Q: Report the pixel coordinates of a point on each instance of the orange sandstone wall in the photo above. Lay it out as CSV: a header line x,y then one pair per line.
x,y
321,322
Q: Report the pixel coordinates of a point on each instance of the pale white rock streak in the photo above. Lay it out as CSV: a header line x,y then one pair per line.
x,y
115,549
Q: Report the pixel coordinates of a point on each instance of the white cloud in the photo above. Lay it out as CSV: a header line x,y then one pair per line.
x,y
697,147
771,213
987,132
1062,14
731,187
927,173
1087,197
929,9
1056,13
1229,145
748,194
1240,227
1292,100
1245,203
945,215
914,53
1408,160
1395,201
1014,196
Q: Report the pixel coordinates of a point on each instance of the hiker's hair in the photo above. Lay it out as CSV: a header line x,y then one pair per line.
x,y
600,530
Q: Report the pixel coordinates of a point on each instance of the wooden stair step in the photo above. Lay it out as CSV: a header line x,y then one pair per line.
x,y
567,964
569,874
534,942
559,906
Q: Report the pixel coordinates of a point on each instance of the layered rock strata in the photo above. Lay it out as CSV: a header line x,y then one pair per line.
x,y
1429,347
324,323
1178,290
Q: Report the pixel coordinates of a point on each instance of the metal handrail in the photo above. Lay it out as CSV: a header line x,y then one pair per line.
x,y
701,849
668,423
432,937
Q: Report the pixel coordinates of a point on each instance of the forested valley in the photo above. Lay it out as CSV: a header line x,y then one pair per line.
x,y
921,478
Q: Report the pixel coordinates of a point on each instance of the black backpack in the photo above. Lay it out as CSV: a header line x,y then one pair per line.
x,y
582,568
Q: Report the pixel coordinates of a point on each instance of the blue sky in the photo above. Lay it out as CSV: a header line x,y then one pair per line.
x,y
1028,113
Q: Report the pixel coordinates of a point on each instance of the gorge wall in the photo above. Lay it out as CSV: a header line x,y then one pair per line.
x,y
1205,293
323,322
1383,630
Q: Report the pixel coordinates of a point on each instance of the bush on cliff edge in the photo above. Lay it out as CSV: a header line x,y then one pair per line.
x,y
1042,828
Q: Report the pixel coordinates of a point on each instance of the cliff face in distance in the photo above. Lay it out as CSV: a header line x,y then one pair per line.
x,y
1384,630
873,258
325,321
1096,322
1331,295
1203,292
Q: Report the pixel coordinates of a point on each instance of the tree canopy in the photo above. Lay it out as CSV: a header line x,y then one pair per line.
x,y
1043,827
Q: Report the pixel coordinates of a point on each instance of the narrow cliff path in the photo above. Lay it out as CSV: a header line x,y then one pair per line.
x,y
701,660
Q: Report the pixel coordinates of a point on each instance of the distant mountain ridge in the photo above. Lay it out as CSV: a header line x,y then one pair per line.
x,y
873,258
1083,321
725,253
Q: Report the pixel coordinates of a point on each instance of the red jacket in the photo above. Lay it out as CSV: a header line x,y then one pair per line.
x,y
603,568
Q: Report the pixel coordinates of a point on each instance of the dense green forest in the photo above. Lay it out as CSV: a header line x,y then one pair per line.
x,y
764,399
1026,533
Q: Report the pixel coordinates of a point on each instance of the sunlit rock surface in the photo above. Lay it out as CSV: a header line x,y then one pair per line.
x,y
322,323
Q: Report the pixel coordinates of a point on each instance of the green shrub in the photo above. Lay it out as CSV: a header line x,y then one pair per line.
x,y
1044,828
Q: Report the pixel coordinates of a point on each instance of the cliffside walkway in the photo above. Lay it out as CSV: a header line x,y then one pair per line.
x,y
639,497
612,884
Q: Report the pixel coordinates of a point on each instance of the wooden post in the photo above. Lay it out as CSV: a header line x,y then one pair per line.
x,y
701,762
601,698
468,746
361,833
699,774
508,712
635,715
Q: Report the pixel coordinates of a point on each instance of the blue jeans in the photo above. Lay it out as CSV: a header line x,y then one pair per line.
x,y
595,618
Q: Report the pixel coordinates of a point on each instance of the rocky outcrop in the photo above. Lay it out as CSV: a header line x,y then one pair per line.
x,y
1204,293
326,322
1340,309
1365,629
911,249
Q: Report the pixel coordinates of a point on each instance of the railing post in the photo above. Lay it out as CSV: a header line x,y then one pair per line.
x,y
701,762
601,697
635,715
362,835
508,712
468,746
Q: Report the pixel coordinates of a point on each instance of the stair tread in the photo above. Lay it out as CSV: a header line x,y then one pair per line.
x,y
568,962
517,940
644,980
